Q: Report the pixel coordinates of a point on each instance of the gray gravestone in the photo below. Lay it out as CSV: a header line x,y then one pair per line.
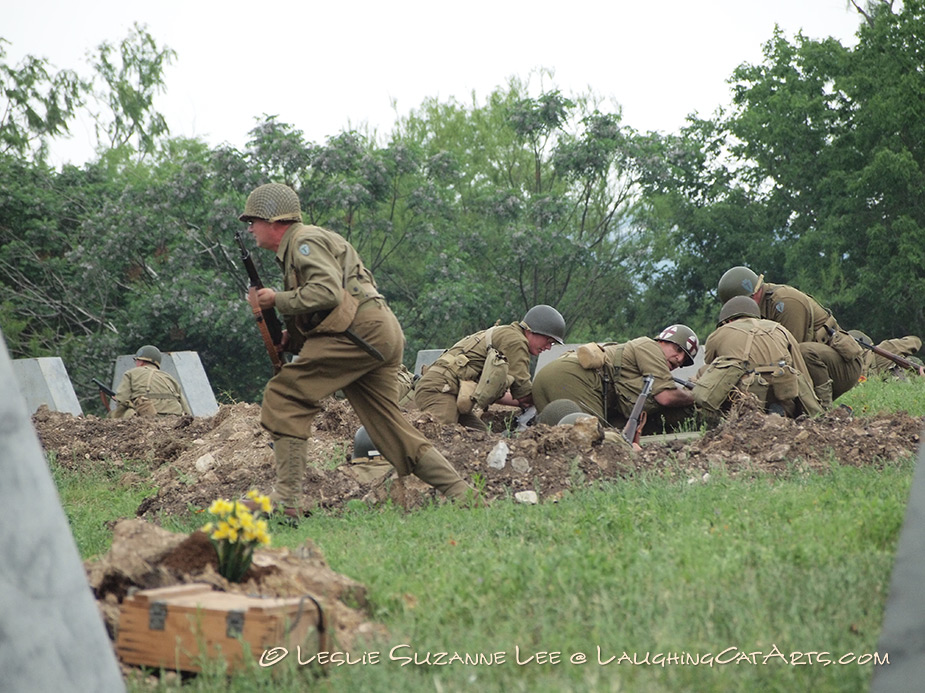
x,y
52,636
186,367
903,635
45,381
425,358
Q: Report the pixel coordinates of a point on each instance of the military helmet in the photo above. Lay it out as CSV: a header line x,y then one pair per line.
x,y
149,353
547,321
570,419
738,307
363,445
861,337
554,411
273,202
684,337
738,281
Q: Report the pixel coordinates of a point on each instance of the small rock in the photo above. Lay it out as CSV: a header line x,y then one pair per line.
x,y
521,465
205,463
497,458
528,497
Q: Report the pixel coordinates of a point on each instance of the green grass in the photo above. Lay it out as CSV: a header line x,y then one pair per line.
x,y
756,569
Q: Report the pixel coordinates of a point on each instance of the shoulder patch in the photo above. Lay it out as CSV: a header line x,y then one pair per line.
x,y
304,249
779,306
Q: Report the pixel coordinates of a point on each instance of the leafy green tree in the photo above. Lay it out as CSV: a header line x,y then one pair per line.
x,y
35,104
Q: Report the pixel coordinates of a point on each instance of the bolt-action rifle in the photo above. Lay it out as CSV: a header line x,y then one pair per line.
x,y
637,417
106,394
895,358
271,329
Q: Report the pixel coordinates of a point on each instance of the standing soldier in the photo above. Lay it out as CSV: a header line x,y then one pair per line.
x,y
491,366
756,356
346,338
833,358
606,379
146,390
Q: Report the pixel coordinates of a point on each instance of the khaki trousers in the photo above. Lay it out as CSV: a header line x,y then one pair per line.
x,y
332,362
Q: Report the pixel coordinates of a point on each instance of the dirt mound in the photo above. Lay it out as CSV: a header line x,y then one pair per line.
x,y
196,460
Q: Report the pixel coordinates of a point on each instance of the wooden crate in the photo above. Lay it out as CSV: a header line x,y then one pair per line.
x,y
178,627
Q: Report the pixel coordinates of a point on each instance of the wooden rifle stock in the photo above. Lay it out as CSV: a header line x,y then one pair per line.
x,y
895,358
629,431
268,322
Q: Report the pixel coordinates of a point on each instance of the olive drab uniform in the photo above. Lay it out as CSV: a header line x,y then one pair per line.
x,y
607,386
874,364
756,356
148,391
475,372
833,358
348,339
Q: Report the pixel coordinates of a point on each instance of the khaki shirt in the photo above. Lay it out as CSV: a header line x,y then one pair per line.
x,y
801,314
874,363
638,358
317,265
770,343
159,387
509,340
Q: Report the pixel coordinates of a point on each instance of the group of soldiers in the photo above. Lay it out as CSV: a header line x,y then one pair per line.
x,y
771,341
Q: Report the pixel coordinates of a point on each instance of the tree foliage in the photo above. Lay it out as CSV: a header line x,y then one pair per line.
x,y
468,214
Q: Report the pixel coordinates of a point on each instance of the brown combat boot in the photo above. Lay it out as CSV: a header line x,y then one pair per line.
x,y
434,469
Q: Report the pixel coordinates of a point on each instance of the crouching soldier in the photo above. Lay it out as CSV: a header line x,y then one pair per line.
x,y
761,357
146,390
491,366
606,379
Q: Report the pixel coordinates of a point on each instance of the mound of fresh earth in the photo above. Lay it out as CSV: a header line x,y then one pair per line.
x,y
197,460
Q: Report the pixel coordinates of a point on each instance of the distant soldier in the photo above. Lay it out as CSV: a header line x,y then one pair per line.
x,y
833,358
146,390
874,364
757,356
488,367
606,379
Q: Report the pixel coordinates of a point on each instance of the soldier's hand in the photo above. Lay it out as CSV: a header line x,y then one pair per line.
x,y
266,298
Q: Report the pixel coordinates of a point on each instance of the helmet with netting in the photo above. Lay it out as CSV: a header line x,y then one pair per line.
x,y
738,281
682,336
738,307
149,353
547,321
273,202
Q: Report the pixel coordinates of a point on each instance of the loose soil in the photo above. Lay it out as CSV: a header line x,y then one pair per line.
x,y
193,461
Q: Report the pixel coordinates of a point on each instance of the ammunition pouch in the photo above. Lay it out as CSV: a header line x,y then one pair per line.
x,y
783,380
143,406
712,388
464,401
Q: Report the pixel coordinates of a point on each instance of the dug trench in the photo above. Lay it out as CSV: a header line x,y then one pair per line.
x,y
193,461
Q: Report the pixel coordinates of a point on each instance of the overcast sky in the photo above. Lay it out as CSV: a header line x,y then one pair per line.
x,y
328,66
